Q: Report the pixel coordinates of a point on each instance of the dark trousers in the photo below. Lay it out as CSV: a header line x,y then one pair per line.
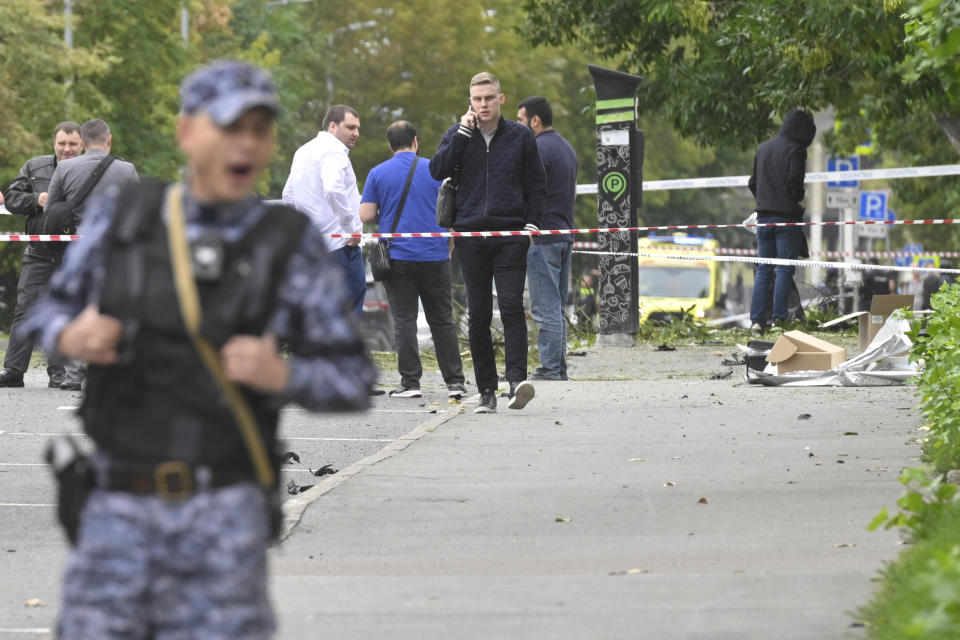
x,y
35,273
500,261
428,282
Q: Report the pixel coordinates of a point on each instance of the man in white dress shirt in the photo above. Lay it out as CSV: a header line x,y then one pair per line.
x,y
323,185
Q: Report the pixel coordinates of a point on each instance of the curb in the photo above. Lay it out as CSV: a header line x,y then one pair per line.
x,y
293,509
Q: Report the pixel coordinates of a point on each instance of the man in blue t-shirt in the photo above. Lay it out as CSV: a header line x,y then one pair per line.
x,y
419,267
549,257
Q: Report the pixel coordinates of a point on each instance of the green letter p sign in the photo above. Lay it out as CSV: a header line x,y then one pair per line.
x,y
615,184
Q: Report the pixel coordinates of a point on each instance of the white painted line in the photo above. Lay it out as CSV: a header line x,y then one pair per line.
x,y
45,435
23,464
24,504
407,411
69,407
343,439
26,631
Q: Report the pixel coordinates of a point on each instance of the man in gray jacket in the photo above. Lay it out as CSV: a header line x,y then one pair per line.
x,y
68,180
26,197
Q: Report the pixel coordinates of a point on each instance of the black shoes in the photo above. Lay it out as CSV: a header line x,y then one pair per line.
x,y
10,378
55,381
406,392
456,391
488,401
520,394
71,386
543,378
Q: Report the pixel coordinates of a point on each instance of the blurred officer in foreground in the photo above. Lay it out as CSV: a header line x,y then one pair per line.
x,y
172,539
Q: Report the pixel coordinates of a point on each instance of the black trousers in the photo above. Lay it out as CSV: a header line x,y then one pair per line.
x,y
35,273
429,283
502,262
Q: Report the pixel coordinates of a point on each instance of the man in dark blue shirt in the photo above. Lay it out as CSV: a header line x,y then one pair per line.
x,y
419,267
548,259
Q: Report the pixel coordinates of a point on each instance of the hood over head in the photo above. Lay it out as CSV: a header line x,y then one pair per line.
x,y
798,126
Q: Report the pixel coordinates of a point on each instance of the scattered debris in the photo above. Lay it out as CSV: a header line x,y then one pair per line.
x,y
577,354
722,375
290,457
293,488
718,353
559,519
325,470
804,416
850,433
702,501
637,460
844,545
670,484
34,602
665,347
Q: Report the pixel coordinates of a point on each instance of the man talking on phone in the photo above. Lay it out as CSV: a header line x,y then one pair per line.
x,y
502,187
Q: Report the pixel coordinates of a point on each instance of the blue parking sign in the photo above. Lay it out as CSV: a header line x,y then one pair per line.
x,y
850,163
873,205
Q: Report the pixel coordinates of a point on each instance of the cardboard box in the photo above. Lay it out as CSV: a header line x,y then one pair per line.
x,y
871,321
797,351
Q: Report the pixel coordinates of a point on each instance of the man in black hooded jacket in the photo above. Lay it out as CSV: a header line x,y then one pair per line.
x,y
776,182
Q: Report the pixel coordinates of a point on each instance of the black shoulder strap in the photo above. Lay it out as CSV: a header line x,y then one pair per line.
x,y
92,181
406,190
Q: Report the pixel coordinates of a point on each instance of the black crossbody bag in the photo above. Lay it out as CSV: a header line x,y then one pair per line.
x,y
380,254
63,217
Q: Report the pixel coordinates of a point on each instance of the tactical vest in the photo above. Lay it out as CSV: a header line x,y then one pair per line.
x,y
161,403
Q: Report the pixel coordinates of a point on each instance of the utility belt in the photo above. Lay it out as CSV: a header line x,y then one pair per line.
x,y
172,480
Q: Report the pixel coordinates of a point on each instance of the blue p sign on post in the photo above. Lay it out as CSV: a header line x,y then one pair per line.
x,y
851,163
873,205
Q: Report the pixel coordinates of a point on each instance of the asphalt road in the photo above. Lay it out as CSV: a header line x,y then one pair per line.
x,y
32,548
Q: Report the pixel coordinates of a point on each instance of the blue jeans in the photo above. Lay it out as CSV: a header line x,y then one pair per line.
x,y
350,260
548,278
774,242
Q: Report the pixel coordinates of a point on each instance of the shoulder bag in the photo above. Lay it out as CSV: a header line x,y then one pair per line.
x,y
447,201
63,217
380,255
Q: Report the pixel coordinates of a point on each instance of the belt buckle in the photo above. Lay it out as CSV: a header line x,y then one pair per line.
x,y
174,480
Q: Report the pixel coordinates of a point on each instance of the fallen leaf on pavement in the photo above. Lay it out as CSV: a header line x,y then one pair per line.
x,y
669,484
850,433
844,544
702,501
637,571
325,470
290,457
804,416
665,347
718,353
637,460
35,602
562,520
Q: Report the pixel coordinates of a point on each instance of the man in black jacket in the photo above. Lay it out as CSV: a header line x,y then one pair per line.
x,y
502,187
27,196
779,169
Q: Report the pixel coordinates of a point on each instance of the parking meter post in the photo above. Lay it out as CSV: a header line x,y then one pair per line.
x,y
620,149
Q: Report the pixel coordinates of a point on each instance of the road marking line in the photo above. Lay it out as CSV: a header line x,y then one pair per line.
x,y
69,407
36,631
344,439
23,464
47,435
24,504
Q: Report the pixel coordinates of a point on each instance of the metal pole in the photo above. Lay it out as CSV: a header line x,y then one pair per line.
x,y
185,24
68,23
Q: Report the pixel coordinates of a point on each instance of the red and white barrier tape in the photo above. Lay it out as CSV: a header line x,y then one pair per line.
x,y
773,261
724,251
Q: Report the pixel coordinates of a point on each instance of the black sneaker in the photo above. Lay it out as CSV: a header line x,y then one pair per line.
x,y
545,378
488,401
406,392
55,381
456,391
520,394
70,386
10,378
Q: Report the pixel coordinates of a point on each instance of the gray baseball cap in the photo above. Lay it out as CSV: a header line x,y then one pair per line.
x,y
226,89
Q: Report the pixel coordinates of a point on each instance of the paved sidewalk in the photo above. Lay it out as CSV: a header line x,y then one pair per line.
x,y
656,503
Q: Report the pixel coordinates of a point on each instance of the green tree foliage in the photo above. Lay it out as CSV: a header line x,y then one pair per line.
x,y
35,79
142,86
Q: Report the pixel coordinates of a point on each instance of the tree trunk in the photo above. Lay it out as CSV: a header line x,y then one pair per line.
x,y
951,127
